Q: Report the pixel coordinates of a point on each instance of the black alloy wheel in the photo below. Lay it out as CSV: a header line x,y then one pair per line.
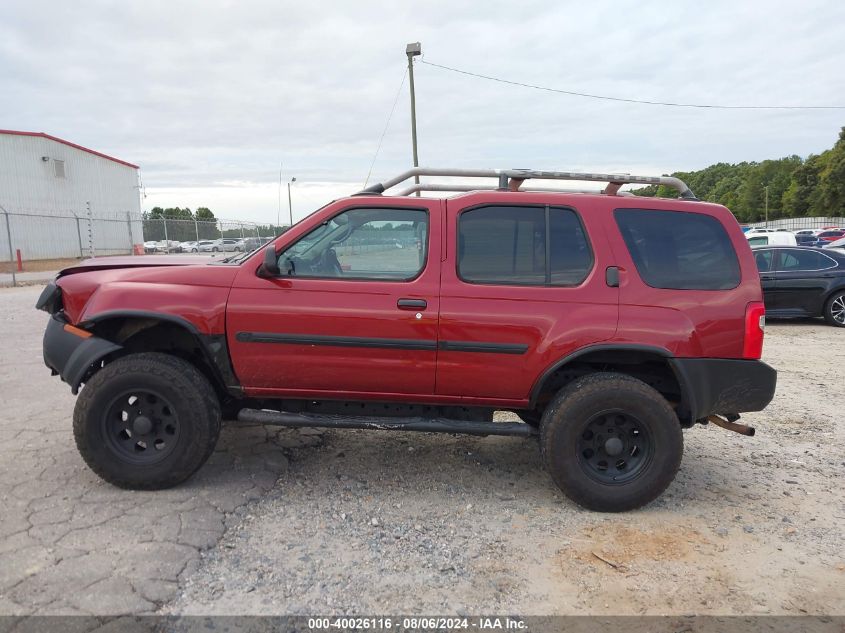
x,y
141,425
611,442
614,447
146,421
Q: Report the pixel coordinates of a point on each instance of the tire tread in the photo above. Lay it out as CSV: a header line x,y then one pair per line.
x,y
193,386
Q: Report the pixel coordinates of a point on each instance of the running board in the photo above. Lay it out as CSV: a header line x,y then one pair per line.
x,y
424,425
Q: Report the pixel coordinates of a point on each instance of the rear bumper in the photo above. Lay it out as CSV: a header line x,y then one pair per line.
x,y
71,356
721,386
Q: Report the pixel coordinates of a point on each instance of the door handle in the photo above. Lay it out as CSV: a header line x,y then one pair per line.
x,y
411,304
611,276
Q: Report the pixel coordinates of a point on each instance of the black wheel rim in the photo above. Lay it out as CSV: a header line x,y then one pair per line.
x,y
141,427
614,447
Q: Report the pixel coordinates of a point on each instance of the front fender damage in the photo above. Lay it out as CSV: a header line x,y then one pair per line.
x,y
71,352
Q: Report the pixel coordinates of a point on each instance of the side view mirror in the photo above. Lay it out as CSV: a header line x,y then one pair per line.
x,y
270,267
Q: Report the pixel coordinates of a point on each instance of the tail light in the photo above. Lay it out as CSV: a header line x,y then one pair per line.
x,y
755,324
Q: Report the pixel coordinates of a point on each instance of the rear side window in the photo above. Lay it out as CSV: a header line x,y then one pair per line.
x,y
795,260
763,259
531,246
678,250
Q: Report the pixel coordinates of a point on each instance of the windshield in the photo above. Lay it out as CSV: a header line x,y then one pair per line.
x,y
251,247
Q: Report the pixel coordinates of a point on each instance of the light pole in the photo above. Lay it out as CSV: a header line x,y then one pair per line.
x,y
290,206
279,212
413,50
766,188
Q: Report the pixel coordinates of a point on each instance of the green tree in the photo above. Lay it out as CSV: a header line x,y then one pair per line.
x,y
792,186
204,214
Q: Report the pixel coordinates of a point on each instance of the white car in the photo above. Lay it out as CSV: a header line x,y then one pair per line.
x,y
775,238
759,229
150,247
210,246
233,244
839,245
189,247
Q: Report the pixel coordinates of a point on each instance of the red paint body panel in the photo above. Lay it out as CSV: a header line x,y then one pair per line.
x,y
551,322
687,323
197,293
339,308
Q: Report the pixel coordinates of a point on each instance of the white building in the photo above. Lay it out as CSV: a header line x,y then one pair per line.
x,y
46,187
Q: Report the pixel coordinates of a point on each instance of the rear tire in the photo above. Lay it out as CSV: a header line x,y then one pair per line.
x,y
611,442
834,310
146,421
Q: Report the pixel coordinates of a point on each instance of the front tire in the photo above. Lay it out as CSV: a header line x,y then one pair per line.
x,y
611,442
834,310
146,421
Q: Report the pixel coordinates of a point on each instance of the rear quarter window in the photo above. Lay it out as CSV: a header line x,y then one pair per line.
x,y
679,250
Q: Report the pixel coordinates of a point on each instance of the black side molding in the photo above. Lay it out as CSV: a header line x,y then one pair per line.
x,y
335,341
381,343
484,348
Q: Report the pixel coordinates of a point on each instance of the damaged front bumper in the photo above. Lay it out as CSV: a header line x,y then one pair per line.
x,y
71,352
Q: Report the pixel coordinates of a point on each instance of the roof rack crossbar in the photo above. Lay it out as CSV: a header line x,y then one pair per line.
x,y
458,188
614,180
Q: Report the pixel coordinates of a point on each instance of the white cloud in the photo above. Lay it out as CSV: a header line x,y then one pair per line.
x,y
210,97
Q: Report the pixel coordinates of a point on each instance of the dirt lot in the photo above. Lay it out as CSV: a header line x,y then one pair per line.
x,y
370,522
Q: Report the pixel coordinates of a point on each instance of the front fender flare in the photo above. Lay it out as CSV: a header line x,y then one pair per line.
x,y
71,355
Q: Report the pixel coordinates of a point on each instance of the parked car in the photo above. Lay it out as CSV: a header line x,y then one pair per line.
x,y
189,247
233,245
756,230
251,243
803,282
210,246
608,323
838,244
775,237
150,247
808,239
831,236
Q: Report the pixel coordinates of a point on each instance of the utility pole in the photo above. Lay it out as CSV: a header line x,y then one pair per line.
x,y
767,204
279,212
290,205
413,50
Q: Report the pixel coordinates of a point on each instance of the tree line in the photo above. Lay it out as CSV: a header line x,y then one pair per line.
x,y
795,187
183,225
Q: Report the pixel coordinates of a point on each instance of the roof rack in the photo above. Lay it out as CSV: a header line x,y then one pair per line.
x,y
512,179
437,187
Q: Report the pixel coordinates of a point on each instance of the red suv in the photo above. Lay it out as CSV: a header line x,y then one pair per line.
x,y
607,322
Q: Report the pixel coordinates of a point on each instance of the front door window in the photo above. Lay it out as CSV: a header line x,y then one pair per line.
x,y
383,244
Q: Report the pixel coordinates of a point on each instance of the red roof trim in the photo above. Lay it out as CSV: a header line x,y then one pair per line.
x,y
68,143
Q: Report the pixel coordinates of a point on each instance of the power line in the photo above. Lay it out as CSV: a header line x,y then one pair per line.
x,y
386,125
640,101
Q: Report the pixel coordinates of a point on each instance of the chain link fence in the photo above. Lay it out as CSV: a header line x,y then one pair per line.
x,y
796,224
33,240
178,235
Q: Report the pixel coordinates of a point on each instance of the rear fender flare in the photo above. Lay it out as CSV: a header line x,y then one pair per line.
x,y
686,393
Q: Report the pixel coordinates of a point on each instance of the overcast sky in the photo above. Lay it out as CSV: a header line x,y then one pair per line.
x,y
210,97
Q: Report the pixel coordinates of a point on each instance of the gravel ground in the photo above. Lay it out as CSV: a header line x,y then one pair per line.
x,y
287,522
